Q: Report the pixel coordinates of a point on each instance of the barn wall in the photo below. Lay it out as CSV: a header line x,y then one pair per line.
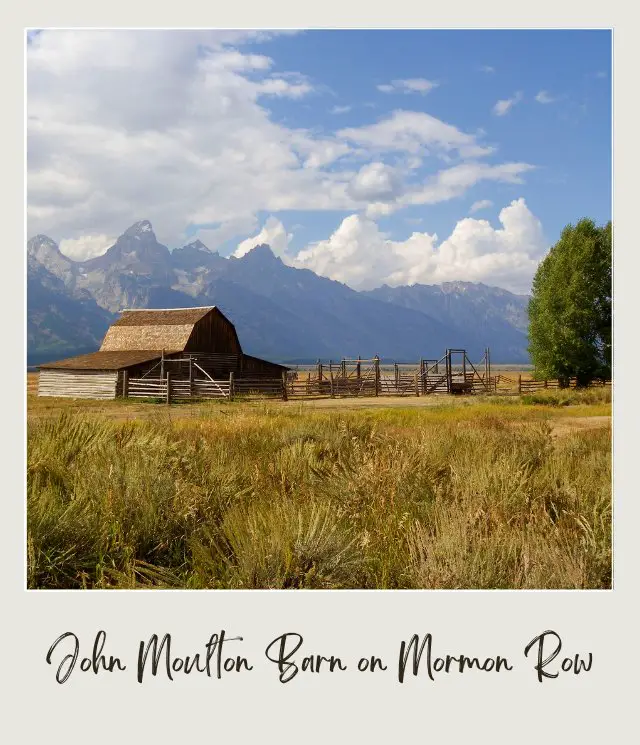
x,y
213,333
77,383
255,366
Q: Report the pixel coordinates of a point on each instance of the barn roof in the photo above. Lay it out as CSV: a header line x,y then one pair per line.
x,y
106,360
162,317
154,329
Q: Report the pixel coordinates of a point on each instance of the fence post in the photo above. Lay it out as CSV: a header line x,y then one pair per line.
x,y
545,383
415,380
168,388
519,383
125,383
284,386
358,370
395,371
331,385
376,362
231,386
190,377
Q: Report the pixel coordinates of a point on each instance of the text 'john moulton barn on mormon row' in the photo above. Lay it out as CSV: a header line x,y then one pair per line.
x,y
187,343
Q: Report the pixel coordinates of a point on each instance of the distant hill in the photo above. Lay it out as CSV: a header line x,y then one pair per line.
x,y
488,313
280,312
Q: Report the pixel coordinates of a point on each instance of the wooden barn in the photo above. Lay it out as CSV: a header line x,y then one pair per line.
x,y
187,343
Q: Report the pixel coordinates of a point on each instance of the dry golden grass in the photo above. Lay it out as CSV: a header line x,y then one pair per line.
x,y
461,493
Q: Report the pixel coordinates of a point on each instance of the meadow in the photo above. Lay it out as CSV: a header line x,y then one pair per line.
x,y
465,492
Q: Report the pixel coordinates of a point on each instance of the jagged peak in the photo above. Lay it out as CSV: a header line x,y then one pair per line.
x,y
261,251
198,245
141,227
41,240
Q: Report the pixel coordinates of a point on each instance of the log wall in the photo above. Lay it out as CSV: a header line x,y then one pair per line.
x,y
77,383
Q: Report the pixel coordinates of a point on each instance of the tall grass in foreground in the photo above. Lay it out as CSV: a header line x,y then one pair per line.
x,y
274,498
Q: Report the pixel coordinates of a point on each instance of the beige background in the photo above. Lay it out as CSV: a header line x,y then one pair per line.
x,y
344,707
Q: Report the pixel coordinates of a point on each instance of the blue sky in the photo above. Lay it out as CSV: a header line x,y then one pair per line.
x,y
567,139
333,146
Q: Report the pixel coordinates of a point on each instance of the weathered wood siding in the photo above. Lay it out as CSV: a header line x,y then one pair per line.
x,y
253,366
77,383
213,333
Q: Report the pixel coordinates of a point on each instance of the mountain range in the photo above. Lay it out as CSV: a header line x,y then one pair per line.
x,y
280,312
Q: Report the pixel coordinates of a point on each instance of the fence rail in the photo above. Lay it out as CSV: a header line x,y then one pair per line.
x,y
146,388
351,378
532,386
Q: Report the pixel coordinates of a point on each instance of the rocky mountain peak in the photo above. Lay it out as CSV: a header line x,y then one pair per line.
x,y
44,251
41,241
141,228
261,253
198,245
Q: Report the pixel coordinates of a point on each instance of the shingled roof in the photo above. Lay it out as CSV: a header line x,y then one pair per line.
x,y
153,329
162,317
106,360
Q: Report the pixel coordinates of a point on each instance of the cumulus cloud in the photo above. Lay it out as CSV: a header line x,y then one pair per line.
x,y
411,85
86,246
362,256
340,109
544,97
483,204
273,233
504,106
175,126
375,181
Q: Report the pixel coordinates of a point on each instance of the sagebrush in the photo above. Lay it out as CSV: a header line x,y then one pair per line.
x,y
272,498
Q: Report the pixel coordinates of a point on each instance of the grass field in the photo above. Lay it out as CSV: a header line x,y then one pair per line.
x,y
429,492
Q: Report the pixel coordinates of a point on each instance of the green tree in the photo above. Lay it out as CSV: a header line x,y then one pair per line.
x,y
570,306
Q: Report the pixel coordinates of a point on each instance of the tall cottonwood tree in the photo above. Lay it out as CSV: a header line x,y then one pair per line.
x,y
570,306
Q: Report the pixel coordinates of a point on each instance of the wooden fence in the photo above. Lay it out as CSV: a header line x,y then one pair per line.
x,y
323,384
145,388
175,390
533,386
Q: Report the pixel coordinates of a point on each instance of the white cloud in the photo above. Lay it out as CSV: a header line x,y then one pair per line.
x,y
173,126
165,125
454,182
273,233
213,238
504,106
483,204
86,246
487,68
411,85
235,60
544,97
283,88
415,132
340,109
360,255
375,181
